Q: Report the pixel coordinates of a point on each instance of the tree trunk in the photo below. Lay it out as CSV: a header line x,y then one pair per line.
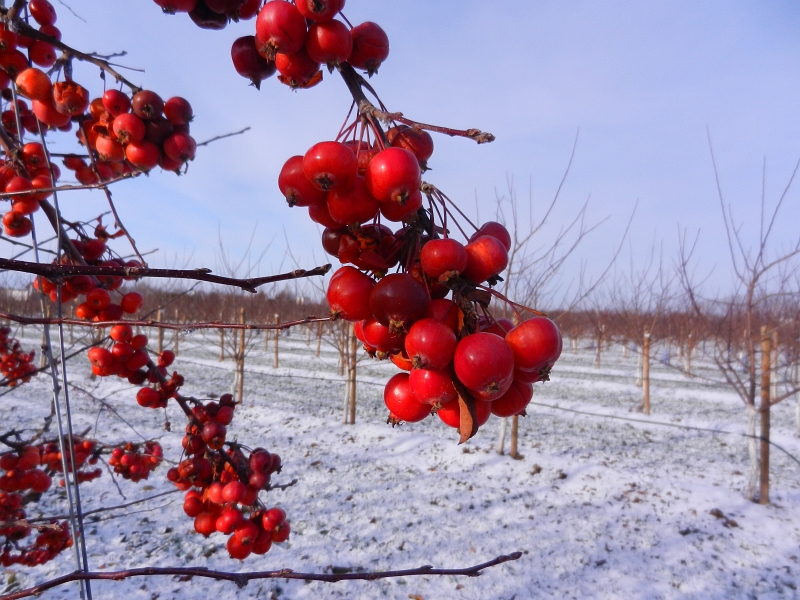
x,y
501,439
344,358
774,367
276,318
639,366
599,349
221,345
687,357
319,338
752,451
646,374
575,345
352,369
240,357
796,383
513,453
766,364
160,333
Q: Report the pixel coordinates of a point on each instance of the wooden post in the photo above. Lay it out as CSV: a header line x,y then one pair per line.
x,y
575,344
352,370
308,335
796,385
512,452
276,319
344,360
177,339
763,462
646,373
319,337
773,393
599,346
240,357
160,333
687,357
221,345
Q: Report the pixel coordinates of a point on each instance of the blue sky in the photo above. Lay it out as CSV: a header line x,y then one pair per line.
x,y
642,81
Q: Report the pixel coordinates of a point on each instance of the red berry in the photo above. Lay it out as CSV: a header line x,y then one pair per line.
x,y
484,363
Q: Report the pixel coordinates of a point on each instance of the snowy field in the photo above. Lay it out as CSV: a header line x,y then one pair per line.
x,y
599,507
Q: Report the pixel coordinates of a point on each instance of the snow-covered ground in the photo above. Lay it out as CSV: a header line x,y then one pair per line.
x,y
599,507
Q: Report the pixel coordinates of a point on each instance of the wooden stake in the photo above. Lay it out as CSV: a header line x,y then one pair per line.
x,y
763,455
512,452
177,339
646,373
352,370
160,333
774,368
221,345
319,337
276,317
599,346
240,357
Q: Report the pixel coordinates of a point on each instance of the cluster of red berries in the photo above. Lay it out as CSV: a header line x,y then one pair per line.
x,y
36,176
138,133
293,39
127,355
15,364
223,484
444,343
451,346
222,506
346,184
84,453
22,474
13,61
136,461
50,542
128,134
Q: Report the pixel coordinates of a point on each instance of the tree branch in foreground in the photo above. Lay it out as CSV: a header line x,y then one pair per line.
x,y
159,324
242,579
55,272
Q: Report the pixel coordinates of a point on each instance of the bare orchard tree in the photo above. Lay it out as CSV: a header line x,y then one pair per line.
x,y
766,279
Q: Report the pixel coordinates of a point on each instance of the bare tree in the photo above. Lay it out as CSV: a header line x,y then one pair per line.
x,y
766,279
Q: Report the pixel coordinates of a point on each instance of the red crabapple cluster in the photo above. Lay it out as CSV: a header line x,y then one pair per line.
x,y
293,40
25,473
15,364
125,134
84,454
222,485
136,461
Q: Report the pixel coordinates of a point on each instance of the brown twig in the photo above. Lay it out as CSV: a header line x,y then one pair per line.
x,y
70,188
108,508
26,523
355,82
55,272
159,324
223,136
242,579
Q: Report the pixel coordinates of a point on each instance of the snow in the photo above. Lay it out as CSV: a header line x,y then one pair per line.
x,y
599,507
